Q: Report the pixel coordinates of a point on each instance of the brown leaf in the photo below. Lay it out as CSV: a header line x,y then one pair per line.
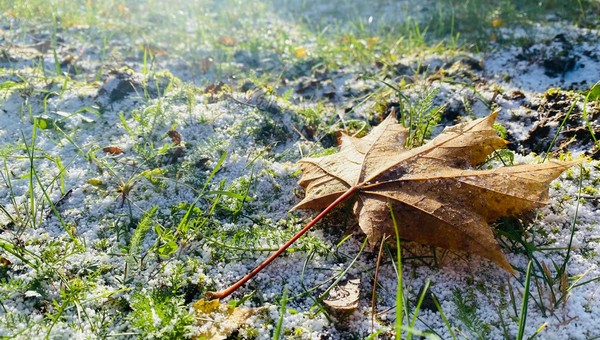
x,y
342,302
215,88
113,150
436,196
175,136
5,262
226,40
343,299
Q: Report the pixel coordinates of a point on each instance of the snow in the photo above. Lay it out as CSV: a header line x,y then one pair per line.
x,y
523,69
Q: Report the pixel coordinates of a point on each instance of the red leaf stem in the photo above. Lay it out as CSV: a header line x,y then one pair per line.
x,y
228,291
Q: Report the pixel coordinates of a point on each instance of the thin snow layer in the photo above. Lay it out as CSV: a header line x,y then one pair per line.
x,y
555,56
94,213
261,147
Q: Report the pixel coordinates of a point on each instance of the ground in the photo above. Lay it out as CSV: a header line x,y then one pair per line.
x,y
149,156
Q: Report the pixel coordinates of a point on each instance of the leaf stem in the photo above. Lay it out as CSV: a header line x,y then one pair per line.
x,y
228,291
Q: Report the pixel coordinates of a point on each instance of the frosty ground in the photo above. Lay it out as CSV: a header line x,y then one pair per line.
x,y
111,225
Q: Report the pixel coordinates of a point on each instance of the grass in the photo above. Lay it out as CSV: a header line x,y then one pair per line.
x,y
105,245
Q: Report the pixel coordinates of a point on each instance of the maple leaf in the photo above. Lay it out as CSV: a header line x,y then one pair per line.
x,y
436,195
434,191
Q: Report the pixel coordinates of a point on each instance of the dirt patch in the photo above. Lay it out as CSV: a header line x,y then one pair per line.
x,y
561,123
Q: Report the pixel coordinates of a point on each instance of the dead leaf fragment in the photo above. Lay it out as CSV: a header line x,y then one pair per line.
x,y
5,262
436,195
497,22
300,52
226,40
113,150
218,321
96,182
175,136
343,299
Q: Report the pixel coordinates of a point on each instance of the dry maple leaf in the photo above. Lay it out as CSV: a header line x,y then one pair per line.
x,y
436,196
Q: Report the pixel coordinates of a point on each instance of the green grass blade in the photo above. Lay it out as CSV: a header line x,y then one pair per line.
x,y
443,316
417,308
523,316
399,285
279,327
214,171
574,223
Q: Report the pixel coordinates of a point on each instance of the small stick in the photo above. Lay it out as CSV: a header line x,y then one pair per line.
x,y
228,291
374,294
299,133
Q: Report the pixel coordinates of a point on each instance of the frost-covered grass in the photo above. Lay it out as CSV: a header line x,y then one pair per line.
x,y
148,149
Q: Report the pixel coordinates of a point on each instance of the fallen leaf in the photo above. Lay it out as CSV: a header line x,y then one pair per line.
x,y
497,22
373,42
300,53
226,40
218,321
113,150
5,262
436,195
96,182
343,299
206,307
215,88
175,136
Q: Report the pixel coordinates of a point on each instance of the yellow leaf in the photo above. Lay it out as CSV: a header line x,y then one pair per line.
x,y
206,307
497,22
300,53
218,321
372,41
95,182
